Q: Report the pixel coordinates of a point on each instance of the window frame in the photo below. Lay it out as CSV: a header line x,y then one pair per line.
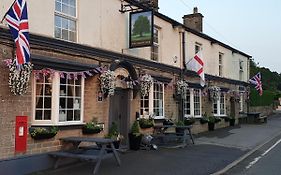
x,y
55,104
67,17
192,103
218,102
221,64
199,46
151,102
155,56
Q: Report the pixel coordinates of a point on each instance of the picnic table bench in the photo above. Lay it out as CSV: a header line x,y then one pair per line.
x,y
91,153
256,117
166,133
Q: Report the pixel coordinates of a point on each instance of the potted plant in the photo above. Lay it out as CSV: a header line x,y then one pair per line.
x,y
168,122
189,121
114,134
91,128
146,123
39,133
204,119
217,119
135,136
211,123
232,120
179,124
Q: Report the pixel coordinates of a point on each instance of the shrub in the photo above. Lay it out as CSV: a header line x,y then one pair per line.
x,y
146,123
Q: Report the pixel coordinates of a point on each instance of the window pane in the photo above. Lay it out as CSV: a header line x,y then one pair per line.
x,y
58,6
69,103
72,11
64,23
76,104
47,102
38,115
47,115
62,103
39,102
77,91
77,115
69,115
65,34
62,116
72,3
57,21
65,9
72,36
58,32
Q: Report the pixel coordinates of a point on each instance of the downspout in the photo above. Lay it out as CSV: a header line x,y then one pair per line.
x,y
182,72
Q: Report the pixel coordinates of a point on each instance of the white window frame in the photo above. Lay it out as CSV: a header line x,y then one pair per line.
x,y
155,56
197,45
218,102
241,70
68,17
192,106
220,64
151,102
241,102
55,104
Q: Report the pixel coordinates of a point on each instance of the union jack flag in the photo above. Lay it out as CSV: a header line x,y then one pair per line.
x,y
18,23
256,80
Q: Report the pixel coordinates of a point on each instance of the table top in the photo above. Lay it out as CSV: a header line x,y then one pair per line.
x,y
172,126
87,139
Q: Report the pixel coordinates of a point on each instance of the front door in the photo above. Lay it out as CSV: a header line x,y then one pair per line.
x,y
119,111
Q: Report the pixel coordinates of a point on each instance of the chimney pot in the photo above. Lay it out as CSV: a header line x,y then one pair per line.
x,y
195,10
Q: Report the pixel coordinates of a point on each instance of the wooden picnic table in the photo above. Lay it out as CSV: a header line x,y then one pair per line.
x,y
104,149
163,132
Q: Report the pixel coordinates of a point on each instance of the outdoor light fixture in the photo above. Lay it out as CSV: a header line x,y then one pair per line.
x,y
175,58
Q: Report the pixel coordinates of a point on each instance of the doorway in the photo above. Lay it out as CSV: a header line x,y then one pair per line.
x,y
119,111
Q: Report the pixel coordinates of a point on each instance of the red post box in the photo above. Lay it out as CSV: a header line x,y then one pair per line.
x,y
21,134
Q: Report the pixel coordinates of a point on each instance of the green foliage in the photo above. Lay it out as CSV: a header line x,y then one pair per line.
x,y
141,26
265,100
179,123
211,119
146,123
189,121
271,82
113,131
135,128
91,128
43,133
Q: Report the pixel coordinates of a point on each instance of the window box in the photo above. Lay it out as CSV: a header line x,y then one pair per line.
x,y
40,133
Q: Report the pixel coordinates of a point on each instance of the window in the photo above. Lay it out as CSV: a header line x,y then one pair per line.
x,y
65,20
241,103
220,64
198,47
192,103
58,101
240,70
155,46
154,102
219,106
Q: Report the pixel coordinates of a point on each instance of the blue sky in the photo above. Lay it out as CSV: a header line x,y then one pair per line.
x,y
252,26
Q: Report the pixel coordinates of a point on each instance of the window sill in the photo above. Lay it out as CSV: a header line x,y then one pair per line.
x,y
159,118
220,115
61,127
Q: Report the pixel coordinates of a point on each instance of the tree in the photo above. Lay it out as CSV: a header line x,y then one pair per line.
x,y
141,26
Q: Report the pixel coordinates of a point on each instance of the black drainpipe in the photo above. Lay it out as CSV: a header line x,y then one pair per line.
x,y
182,75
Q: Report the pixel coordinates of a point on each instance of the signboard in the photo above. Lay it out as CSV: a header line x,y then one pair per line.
x,y
141,29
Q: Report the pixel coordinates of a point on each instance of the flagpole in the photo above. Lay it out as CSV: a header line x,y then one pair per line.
x,y
7,12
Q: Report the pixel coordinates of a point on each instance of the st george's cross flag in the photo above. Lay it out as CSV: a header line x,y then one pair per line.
x,y
256,80
196,64
17,20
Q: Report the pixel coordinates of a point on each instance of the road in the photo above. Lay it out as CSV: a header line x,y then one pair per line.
x,y
265,161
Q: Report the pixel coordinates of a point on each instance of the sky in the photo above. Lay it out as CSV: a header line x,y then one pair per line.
x,y
251,26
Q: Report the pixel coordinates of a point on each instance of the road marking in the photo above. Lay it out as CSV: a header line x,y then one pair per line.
x,y
263,154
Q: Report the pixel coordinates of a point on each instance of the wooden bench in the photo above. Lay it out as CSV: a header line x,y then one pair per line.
x,y
261,119
163,135
87,154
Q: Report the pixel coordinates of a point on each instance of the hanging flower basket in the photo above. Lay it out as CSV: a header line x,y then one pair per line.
x,y
19,78
146,82
107,82
182,87
214,93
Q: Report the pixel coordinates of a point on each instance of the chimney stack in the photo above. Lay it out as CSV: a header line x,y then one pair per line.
x,y
150,3
194,21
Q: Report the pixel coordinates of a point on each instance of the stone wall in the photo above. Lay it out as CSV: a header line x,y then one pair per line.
x,y
264,110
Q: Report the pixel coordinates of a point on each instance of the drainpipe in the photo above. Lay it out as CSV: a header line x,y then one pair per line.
x,y
182,31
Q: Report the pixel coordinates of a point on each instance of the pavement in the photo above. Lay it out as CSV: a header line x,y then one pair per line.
x,y
214,152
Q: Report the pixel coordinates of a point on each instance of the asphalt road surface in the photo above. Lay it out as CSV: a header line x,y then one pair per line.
x,y
265,161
